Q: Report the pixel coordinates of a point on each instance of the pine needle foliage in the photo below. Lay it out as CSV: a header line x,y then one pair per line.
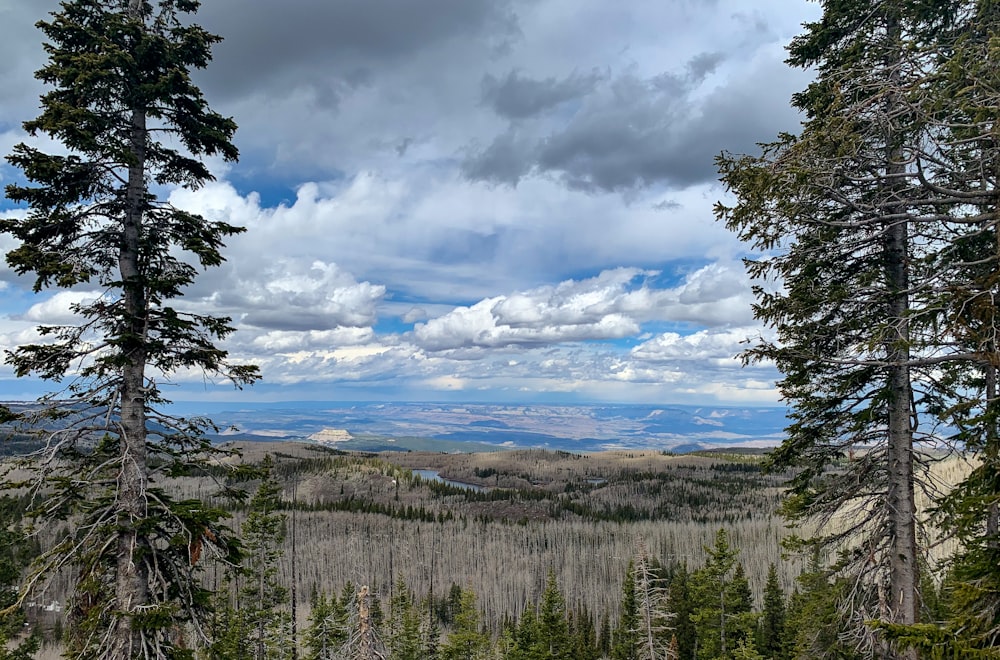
x,y
127,119
875,230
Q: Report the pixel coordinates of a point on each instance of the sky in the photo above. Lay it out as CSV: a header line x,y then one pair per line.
x,y
466,200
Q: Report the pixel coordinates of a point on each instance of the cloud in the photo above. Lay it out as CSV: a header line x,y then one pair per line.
x,y
286,295
57,309
507,160
375,256
633,132
717,347
572,311
520,97
336,47
288,341
612,305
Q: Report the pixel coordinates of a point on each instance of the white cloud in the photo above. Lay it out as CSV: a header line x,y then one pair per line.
x,y
716,347
57,309
552,286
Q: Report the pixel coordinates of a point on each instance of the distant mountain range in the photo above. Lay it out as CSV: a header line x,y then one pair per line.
x,y
478,427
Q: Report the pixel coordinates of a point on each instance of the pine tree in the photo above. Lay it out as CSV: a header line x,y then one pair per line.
x,y
971,512
327,631
625,640
816,625
229,632
348,595
126,116
404,625
263,599
604,636
681,605
553,628
466,641
431,638
584,635
740,599
722,615
771,640
857,219
526,637
14,556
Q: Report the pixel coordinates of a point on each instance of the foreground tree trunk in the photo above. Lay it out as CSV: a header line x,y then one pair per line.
x,y
900,498
132,579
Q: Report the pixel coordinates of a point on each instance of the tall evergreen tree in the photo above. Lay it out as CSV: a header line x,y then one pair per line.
x,y
816,624
15,554
584,635
404,641
971,82
857,218
625,640
719,589
525,637
126,117
740,597
604,636
771,640
466,641
431,637
249,618
327,631
681,605
553,627
263,598
543,633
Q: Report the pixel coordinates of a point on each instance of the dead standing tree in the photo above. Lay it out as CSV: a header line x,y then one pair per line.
x,y
365,642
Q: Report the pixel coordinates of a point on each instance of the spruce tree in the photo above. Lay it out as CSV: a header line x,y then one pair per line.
x,y
404,625
553,627
526,637
741,604
857,219
584,635
721,615
431,638
971,82
625,640
771,641
15,553
263,598
604,636
466,641
126,117
817,626
327,631
680,603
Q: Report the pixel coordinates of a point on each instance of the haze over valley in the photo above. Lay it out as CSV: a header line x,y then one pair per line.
x,y
484,427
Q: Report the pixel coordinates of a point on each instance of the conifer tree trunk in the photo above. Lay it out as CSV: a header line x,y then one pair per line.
x,y
903,574
903,580
132,579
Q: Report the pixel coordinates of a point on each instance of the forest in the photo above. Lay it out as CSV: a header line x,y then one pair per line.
x,y
609,555
873,244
